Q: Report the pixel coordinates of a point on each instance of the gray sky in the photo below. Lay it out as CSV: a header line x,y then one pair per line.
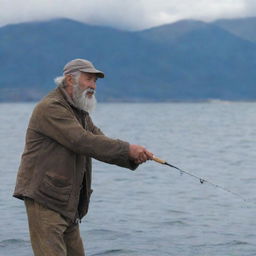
x,y
124,14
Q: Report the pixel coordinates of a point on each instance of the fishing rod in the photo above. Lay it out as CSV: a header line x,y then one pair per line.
x,y
202,181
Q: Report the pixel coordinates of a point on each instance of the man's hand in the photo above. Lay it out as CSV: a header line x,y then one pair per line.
x,y
139,154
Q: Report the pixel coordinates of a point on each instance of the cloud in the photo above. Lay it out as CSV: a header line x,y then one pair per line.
x,y
250,7
125,14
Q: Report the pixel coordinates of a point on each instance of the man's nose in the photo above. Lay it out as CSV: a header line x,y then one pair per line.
x,y
93,85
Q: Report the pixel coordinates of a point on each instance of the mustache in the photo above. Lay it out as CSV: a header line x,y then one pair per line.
x,y
90,90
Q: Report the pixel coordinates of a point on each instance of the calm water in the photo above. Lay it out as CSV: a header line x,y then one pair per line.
x,y
154,211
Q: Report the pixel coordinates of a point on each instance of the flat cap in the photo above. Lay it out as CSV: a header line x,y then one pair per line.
x,y
83,66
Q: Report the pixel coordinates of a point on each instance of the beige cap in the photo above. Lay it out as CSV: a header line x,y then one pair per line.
x,y
83,66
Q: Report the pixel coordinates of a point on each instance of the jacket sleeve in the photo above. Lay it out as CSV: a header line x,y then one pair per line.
x,y
58,122
97,131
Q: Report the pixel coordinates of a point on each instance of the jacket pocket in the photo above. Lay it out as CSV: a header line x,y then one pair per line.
x,y
55,188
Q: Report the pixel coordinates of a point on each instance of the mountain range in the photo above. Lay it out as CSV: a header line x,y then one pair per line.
x,y
187,60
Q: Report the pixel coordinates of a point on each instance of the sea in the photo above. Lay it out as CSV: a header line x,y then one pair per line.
x,y
155,210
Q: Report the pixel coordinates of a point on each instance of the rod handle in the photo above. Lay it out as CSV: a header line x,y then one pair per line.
x,y
158,160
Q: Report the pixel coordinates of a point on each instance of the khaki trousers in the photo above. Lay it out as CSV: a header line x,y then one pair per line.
x,y
51,234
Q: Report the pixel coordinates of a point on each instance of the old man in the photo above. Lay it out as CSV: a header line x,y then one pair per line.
x,y
54,178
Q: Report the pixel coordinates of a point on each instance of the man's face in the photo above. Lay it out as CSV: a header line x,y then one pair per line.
x,y
88,81
84,90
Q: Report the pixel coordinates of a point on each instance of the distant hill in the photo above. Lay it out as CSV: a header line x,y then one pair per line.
x,y
244,28
186,60
171,32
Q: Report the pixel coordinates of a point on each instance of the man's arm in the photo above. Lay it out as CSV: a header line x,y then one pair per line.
x,y
58,122
137,154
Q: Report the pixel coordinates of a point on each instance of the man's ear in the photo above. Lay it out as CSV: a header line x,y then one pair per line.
x,y
69,80
69,85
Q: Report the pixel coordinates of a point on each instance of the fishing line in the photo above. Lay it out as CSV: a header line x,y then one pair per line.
x,y
202,181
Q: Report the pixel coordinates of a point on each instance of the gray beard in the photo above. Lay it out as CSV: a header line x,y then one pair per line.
x,y
82,101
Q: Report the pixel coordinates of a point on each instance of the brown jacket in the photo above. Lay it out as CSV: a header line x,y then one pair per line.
x,y
55,167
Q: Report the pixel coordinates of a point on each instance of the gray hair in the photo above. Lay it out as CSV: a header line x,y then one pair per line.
x,y
60,81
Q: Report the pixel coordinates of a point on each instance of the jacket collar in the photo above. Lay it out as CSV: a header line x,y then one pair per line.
x,y
67,97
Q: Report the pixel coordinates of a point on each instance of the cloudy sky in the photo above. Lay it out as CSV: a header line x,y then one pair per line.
x,y
124,14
